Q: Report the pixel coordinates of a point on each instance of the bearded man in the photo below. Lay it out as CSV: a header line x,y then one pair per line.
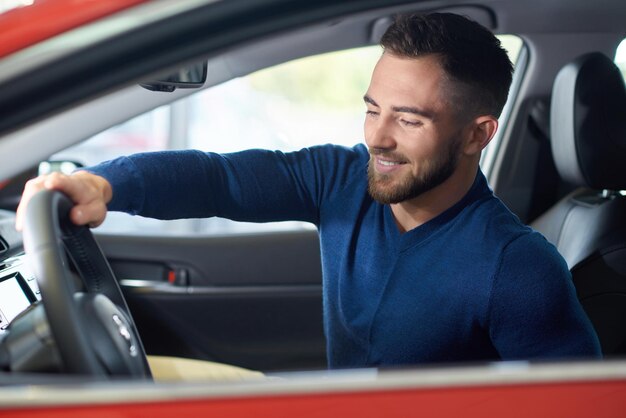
x,y
421,262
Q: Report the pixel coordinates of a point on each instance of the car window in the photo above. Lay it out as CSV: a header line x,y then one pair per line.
x,y
298,104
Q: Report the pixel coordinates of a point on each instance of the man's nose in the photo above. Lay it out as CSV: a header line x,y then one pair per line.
x,y
380,135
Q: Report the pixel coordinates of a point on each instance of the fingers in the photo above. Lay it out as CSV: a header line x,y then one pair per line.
x,y
91,214
78,187
90,194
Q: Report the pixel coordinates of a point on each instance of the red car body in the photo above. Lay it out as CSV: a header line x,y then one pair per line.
x,y
520,391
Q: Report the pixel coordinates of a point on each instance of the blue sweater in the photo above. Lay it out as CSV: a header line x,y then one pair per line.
x,y
473,283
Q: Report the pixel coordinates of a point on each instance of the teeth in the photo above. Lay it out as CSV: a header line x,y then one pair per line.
x,y
387,163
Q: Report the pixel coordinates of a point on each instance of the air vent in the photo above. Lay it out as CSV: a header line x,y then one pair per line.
x,y
4,247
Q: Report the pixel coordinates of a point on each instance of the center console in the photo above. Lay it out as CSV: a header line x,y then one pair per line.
x,y
18,289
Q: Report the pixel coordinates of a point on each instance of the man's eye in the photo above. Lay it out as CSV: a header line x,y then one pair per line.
x,y
371,113
410,122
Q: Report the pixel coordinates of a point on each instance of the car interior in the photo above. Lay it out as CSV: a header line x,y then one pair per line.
x,y
254,300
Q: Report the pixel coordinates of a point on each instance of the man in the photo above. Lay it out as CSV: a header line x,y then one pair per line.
x,y
421,262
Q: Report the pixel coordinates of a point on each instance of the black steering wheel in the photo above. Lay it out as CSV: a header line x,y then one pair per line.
x,y
93,329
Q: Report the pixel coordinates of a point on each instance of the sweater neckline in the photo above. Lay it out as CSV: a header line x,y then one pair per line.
x,y
418,234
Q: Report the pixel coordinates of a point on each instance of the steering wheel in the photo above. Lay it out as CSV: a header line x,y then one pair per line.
x,y
93,330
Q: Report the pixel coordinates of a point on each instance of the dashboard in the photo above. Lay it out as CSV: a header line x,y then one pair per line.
x,y
18,286
18,289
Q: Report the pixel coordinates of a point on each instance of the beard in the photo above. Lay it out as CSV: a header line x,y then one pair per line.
x,y
386,190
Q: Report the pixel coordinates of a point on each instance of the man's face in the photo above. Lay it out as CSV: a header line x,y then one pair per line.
x,y
413,136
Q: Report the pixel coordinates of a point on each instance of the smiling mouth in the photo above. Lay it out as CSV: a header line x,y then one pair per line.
x,y
388,163
385,166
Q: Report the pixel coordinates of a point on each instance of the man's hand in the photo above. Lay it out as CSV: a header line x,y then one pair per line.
x,y
89,192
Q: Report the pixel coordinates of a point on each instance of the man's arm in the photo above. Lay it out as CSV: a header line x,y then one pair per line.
x,y
254,185
534,310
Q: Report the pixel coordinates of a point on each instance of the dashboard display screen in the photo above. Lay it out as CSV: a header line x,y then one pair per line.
x,y
15,296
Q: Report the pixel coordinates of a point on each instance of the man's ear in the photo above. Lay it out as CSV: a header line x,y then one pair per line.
x,y
481,130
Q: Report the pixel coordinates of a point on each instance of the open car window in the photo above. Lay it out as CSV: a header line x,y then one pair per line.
x,y
305,102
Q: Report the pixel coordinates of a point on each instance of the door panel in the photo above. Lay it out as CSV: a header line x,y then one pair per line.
x,y
249,300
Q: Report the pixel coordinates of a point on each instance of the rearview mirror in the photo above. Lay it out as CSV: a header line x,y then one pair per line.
x,y
189,77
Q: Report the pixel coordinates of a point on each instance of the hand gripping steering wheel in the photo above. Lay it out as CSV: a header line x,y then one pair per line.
x,y
93,329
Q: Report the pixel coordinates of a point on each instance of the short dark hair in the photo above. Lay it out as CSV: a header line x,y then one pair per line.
x,y
469,53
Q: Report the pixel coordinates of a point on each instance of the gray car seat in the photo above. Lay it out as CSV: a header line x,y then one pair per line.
x,y
588,134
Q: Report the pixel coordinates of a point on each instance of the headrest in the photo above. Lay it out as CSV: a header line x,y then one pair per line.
x,y
588,123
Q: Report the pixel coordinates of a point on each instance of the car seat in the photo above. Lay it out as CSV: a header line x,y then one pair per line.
x,y
588,226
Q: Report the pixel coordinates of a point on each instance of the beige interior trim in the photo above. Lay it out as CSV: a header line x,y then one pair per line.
x,y
170,369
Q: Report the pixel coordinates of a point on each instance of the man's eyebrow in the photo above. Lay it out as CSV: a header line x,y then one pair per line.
x,y
403,109
368,99
415,111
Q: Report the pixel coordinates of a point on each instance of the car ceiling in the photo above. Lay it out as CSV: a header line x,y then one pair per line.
x,y
553,30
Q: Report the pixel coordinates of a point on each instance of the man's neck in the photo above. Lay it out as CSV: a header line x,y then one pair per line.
x,y
412,213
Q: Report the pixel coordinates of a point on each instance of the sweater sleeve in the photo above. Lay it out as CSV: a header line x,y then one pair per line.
x,y
252,185
534,311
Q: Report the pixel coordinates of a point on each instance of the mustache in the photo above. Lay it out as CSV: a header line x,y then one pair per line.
x,y
395,156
